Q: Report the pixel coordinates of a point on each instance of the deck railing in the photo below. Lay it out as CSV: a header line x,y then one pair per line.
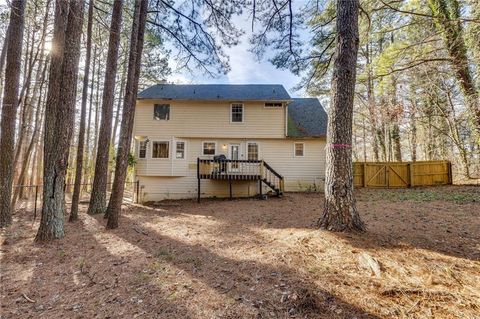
x,y
229,169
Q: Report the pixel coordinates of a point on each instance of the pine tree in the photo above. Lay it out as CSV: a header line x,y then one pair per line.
x,y
9,108
60,115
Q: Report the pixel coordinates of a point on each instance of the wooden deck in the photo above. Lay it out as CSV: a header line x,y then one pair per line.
x,y
239,170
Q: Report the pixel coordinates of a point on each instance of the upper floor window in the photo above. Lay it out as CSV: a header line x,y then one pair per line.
x,y
180,153
252,151
236,113
209,148
142,149
161,112
160,149
299,149
273,104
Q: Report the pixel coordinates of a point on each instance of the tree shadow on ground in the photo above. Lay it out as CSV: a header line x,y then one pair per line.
x,y
78,277
440,226
246,288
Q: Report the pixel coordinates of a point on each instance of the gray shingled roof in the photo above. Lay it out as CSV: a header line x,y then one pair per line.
x,y
211,92
306,118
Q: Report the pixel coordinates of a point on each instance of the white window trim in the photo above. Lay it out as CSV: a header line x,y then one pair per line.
x,y
184,150
243,113
161,158
146,151
273,107
294,149
201,145
258,148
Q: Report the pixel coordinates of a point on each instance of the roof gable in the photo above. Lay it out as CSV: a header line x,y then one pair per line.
x,y
212,92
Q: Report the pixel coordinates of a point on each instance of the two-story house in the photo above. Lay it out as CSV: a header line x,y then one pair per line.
x,y
219,140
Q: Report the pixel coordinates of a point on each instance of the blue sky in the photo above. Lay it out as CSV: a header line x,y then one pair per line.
x,y
245,67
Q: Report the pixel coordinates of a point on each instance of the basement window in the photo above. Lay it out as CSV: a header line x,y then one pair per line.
x,y
161,112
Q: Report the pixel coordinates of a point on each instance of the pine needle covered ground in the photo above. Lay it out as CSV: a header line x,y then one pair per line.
x,y
420,258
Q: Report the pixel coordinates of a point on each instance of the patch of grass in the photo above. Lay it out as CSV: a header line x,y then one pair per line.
x,y
81,264
422,195
164,255
192,260
62,254
141,278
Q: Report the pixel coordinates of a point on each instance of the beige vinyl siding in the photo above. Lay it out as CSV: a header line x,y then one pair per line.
x,y
210,119
177,178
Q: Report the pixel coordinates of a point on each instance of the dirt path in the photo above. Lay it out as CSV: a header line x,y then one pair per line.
x,y
253,259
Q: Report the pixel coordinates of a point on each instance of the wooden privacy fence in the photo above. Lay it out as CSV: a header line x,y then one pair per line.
x,y
401,174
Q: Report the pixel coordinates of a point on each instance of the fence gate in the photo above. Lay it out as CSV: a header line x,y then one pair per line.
x,y
401,174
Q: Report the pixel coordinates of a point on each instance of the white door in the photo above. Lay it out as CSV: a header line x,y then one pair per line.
x,y
234,154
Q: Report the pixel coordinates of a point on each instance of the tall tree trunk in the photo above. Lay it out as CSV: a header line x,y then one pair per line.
x,y
60,115
115,124
9,109
340,212
395,112
81,131
96,121
89,120
413,125
119,101
134,66
99,190
371,105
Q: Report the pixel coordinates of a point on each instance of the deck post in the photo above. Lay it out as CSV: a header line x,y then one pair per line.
x,y
198,179
230,181
260,188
